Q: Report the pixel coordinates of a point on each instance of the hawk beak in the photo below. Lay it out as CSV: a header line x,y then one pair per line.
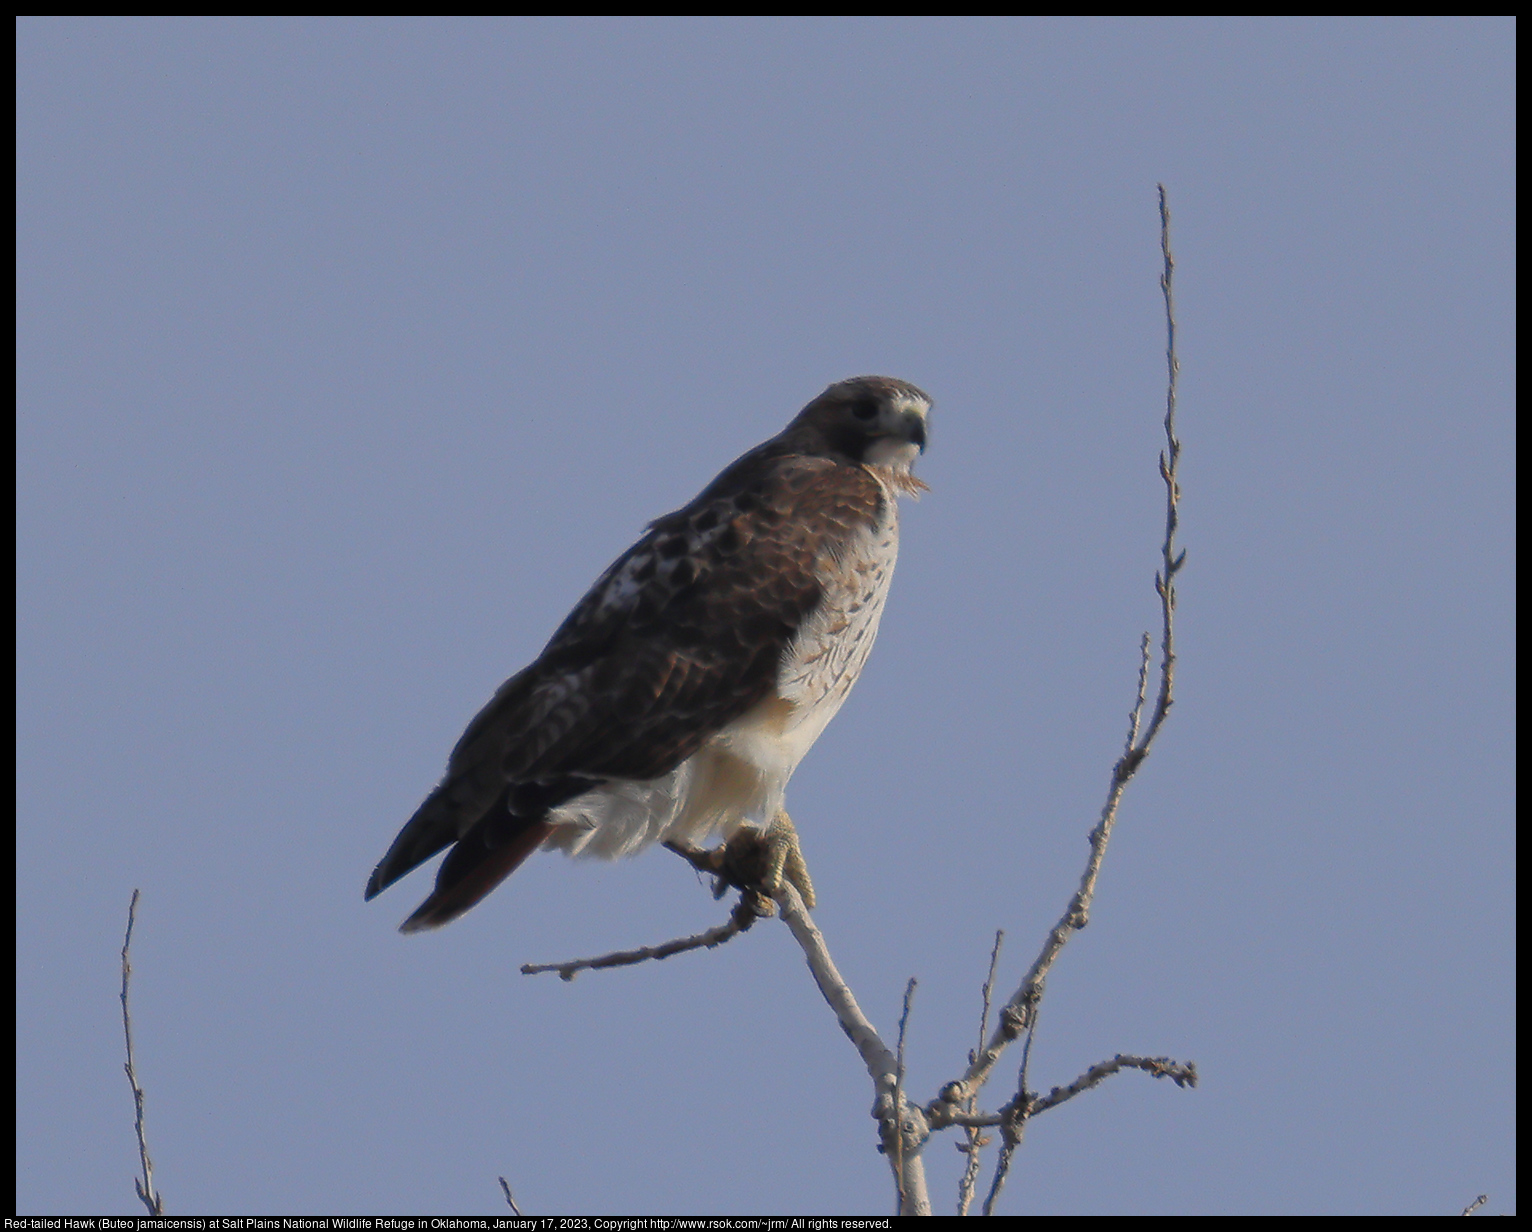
x,y
917,431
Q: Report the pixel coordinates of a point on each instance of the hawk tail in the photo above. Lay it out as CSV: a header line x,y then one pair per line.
x,y
436,824
488,844
481,860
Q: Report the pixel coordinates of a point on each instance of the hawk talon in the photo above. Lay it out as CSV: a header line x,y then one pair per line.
x,y
756,863
785,860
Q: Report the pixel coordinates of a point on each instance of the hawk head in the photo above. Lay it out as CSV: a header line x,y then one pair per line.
x,y
875,420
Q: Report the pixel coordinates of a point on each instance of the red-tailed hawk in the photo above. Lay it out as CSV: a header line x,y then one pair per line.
x,y
678,697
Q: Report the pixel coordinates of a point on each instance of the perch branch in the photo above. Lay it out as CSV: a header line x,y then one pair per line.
x,y
741,919
905,1125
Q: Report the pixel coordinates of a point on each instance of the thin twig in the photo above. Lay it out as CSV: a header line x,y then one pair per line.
x,y
1017,1012
1170,463
1008,1147
989,985
741,919
1022,1096
1014,1017
143,1188
1159,1067
1013,1119
1012,1123
509,1201
904,1022
1136,715
975,1137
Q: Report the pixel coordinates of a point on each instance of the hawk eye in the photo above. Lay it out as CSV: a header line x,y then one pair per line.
x,y
864,410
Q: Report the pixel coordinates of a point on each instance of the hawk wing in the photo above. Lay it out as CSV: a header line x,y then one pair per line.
x,y
685,633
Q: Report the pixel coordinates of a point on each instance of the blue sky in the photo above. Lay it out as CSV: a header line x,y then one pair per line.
x,y
351,351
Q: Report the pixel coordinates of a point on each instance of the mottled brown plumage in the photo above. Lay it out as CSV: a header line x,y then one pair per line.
x,y
678,695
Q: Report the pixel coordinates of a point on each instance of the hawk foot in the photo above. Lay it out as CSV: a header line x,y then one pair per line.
x,y
757,863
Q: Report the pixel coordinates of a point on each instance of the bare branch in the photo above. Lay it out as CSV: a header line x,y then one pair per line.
x,y
1012,1122
1170,463
720,864
880,1062
976,1139
975,1120
989,987
1018,1011
1011,1130
509,1201
1160,1067
904,1022
1135,716
1021,1100
742,918
1013,1119
907,1122
143,1188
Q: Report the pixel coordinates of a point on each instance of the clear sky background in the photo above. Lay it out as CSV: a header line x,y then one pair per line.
x,y
352,351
